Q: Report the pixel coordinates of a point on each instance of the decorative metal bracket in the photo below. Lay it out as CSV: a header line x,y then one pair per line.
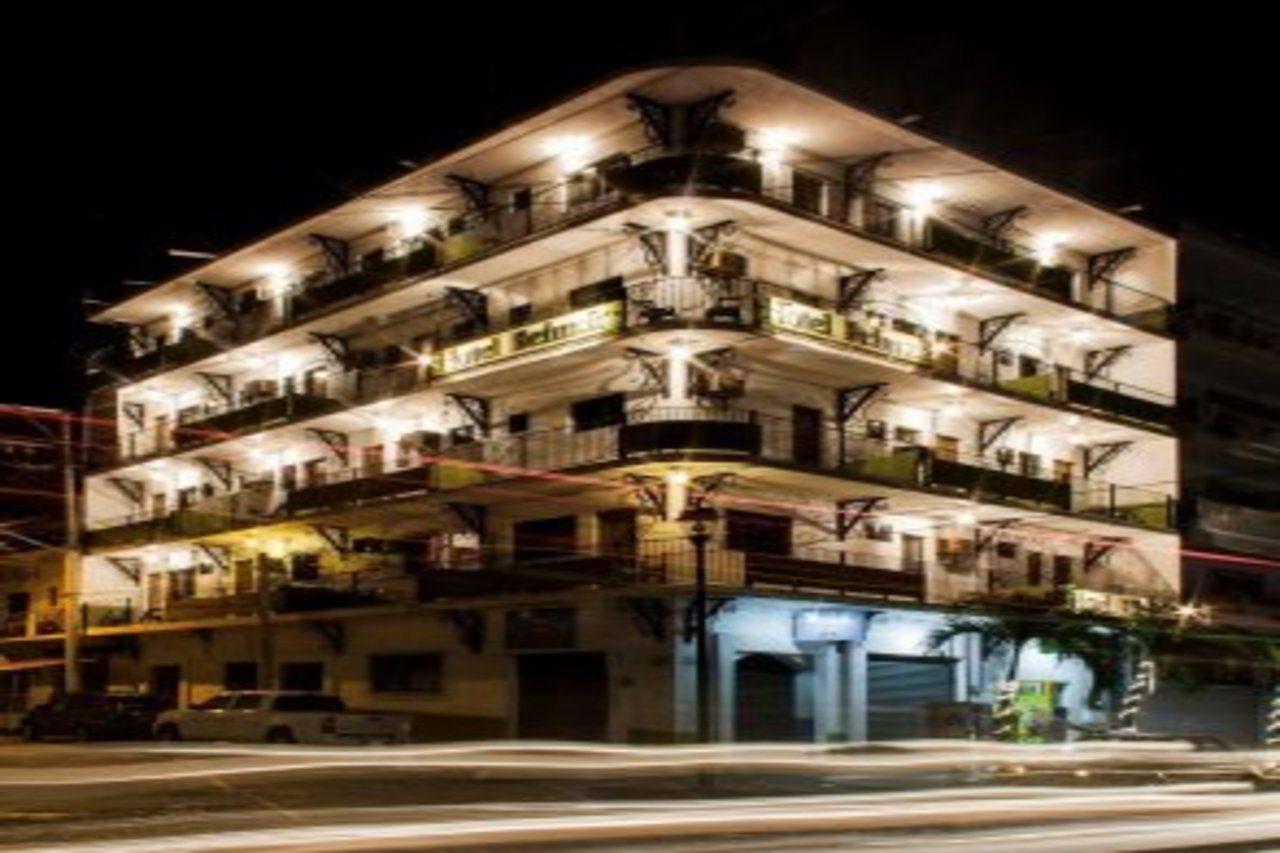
x,y
1098,360
860,175
1097,550
993,327
473,303
476,193
989,432
333,632
337,538
477,410
130,567
136,413
223,298
655,378
1099,456
336,251
220,385
219,555
651,614
468,626
851,512
474,517
219,469
985,536
134,490
335,346
338,443
1102,266
997,225
714,606
651,493
850,401
853,287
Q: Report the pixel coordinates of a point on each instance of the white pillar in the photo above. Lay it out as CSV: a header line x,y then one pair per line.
x,y
725,693
828,716
677,244
855,662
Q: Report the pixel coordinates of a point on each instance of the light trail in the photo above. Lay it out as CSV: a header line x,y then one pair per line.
x,y
1213,811
540,759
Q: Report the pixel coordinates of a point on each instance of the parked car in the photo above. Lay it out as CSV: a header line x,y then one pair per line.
x,y
276,716
92,716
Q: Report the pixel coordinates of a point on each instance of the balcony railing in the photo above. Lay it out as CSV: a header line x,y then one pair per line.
x,y
672,562
756,304
649,433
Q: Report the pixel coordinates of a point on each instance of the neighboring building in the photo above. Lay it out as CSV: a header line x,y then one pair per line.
x,y
32,535
1230,400
430,449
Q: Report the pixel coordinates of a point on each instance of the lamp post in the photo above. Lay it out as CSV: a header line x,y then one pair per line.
x,y
697,517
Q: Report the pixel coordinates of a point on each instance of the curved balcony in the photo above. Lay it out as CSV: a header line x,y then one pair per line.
x,y
683,430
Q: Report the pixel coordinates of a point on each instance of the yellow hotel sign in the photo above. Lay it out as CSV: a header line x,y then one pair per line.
x,y
606,318
806,320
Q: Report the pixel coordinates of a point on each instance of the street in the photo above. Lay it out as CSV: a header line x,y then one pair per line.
x,y
144,797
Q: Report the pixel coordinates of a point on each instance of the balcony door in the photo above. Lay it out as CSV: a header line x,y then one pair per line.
x,y
806,436
545,538
618,533
912,553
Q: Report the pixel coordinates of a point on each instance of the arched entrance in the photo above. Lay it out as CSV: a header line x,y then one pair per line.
x,y
766,706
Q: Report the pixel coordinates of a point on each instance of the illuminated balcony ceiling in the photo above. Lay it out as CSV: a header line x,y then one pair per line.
x,y
822,127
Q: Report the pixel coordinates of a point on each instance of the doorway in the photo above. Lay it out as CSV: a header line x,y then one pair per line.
x,y
166,685
562,696
806,436
900,692
766,701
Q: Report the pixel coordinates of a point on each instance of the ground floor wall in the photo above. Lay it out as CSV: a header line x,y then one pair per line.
x,y
597,666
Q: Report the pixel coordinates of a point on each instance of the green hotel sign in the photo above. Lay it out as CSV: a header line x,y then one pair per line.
x,y
604,319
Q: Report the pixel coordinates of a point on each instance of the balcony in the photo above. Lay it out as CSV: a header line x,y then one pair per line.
x,y
738,173
755,304
257,415
672,563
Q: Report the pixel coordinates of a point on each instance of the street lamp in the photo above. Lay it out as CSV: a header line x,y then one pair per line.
x,y
697,516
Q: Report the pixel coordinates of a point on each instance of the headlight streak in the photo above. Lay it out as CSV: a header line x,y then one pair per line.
x,y
515,759
578,822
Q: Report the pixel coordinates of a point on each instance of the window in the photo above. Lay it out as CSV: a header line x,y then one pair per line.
x,y
1029,464
406,673
518,423
182,584
806,192
520,314
599,412
906,435
947,447
521,199
302,676
879,218
1006,550
1062,470
1028,366
1061,570
757,533
240,675
1035,568
877,430
608,290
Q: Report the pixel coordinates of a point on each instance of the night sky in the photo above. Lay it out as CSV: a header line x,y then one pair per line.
x,y
203,128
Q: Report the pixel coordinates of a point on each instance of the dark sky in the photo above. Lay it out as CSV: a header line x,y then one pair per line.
x,y
204,127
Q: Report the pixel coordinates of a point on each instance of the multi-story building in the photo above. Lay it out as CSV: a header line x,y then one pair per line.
x,y
33,559
433,449
1231,441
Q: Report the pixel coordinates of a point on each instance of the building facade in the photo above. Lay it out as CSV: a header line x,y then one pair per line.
x,y
435,449
1231,437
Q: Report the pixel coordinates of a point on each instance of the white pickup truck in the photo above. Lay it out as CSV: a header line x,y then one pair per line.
x,y
279,716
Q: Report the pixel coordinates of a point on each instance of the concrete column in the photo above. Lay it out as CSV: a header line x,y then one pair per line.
x,y
677,244
855,700
724,653
828,719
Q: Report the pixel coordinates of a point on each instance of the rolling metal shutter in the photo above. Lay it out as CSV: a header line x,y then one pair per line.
x,y
899,689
